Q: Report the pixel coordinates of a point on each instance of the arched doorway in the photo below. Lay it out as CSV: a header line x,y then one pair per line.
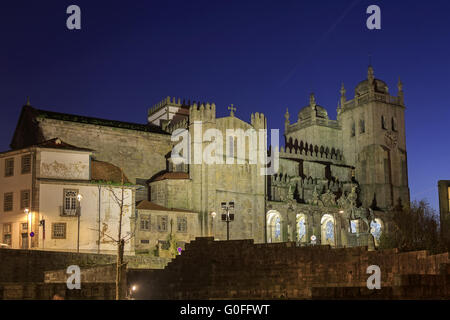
x,y
274,227
376,228
327,229
301,228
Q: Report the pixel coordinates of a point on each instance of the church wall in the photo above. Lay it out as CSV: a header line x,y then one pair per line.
x,y
144,152
318,135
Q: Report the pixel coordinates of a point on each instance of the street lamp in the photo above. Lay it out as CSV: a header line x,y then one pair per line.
x,y
213,215
227,216
79,198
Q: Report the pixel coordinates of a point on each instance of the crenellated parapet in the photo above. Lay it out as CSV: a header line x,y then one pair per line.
x,y
258,121
169,101
311,152
204,112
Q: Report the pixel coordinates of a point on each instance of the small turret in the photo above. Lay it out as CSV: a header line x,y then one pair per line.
x,y
312,100
286,121
343,98
400,91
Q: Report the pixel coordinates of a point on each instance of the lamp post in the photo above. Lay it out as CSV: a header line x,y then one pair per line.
x,y
27,214
227,216
79,197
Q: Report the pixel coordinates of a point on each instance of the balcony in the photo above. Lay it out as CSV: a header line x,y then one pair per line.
x,y
64,212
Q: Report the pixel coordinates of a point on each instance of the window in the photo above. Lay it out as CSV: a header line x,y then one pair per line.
x,y
383,123
278,229
8,202
394,124
182,224
145,222
353,226
26,164
70,202
301,229
353,129
362,126
7,239
7,228
25,199
230,146
24,227
9,167
145,241
162,223
58,230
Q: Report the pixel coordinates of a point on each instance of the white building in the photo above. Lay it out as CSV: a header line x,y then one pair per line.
x,y
54,196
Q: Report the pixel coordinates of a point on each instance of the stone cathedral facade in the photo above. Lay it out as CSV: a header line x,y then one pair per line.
x,y
336,184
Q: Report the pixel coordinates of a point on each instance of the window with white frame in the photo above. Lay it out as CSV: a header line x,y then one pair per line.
x,y
70,202
182,224
145,222
162,223
25,199
9,167
7,237
26,164
8,201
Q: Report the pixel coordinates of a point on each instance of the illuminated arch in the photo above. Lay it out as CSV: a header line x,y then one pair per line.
x,y
327,229
376,229
301,228
274,226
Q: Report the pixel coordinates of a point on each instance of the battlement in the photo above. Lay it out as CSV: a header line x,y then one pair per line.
x,y
258,121
202,112
311,152
175,102
366,98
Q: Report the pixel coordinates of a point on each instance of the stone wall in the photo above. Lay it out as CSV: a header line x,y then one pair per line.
x,y
244,270
20,266
144,151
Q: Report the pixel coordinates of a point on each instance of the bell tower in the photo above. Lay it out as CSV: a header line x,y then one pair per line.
x,y
373,129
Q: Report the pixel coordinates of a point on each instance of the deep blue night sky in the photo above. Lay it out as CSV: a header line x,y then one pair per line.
x,y
261,56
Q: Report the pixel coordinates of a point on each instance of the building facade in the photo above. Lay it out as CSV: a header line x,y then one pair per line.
x,y
336,180
54,196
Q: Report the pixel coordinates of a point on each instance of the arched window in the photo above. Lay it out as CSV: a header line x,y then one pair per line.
x,y
353,129
362,126
327,233
383,123
394,124
301,228
376,228
274,226
277,229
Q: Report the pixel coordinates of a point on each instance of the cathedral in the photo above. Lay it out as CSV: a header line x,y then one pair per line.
x,y
336,180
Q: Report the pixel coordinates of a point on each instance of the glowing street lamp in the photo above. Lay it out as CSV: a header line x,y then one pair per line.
x,y
213,215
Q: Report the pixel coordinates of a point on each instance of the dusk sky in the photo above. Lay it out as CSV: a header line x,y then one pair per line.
x,y
261,56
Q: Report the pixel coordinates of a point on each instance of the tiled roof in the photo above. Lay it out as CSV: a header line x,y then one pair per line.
x,y
170,176
147,205
105,171
57,143
97,121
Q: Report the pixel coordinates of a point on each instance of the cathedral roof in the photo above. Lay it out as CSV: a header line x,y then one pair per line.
x,y
148,205
170,176
379,85
306,111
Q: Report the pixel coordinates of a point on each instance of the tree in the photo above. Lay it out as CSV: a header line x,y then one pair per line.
x,y
121,239
414,228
